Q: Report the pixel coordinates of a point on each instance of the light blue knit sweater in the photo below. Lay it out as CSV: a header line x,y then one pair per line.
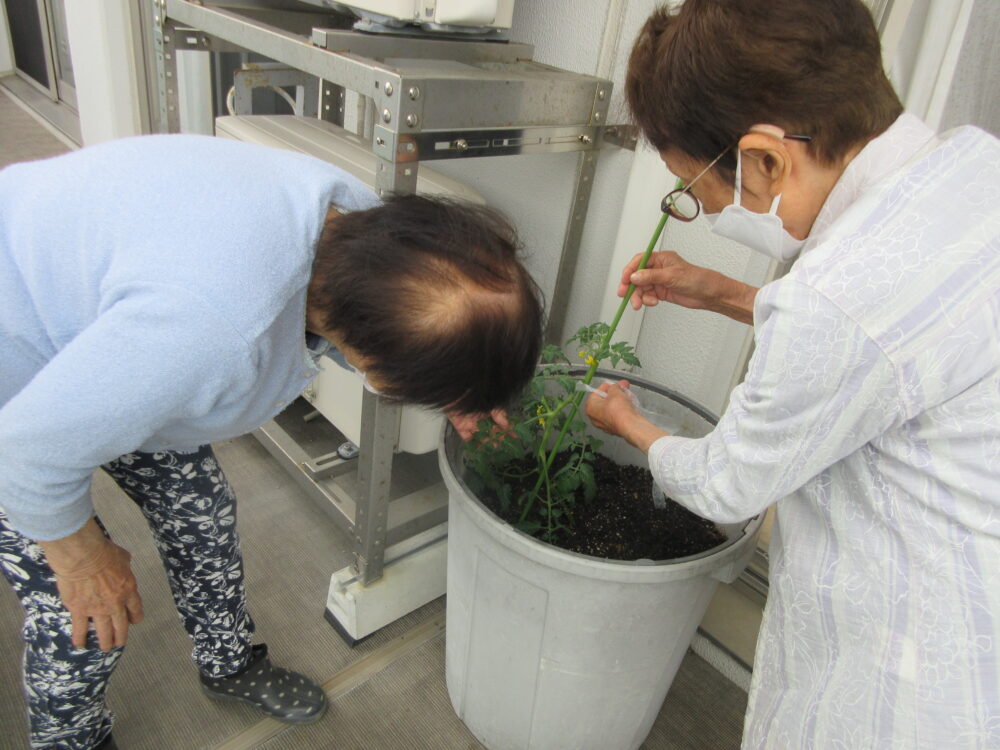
x,y
152,296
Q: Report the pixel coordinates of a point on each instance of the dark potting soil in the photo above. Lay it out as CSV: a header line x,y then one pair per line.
x,y
621,522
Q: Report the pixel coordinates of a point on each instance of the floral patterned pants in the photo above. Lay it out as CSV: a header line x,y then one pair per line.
x,y
191,510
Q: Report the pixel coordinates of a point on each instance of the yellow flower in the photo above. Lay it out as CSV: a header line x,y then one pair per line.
x,y
590,361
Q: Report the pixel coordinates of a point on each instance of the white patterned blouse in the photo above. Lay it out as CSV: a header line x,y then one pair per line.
x,y
871,415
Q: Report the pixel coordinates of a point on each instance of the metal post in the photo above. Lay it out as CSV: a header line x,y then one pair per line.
x,y
379,418
586,166
379,431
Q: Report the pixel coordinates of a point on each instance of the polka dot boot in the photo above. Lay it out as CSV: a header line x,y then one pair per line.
x,y
280,693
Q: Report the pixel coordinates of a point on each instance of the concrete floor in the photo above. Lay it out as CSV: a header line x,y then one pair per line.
x,y
387,693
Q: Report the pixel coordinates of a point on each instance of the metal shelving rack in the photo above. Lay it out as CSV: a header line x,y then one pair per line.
x,y
421,99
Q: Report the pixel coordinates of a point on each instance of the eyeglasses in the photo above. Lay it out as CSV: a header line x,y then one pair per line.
x,y
681,203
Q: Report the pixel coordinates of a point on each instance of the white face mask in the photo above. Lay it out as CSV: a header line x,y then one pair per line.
x,y
764,233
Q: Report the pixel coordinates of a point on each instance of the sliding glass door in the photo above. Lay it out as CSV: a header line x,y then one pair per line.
x,y
41,47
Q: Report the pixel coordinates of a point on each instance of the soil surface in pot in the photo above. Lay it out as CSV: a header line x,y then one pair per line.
x,y
621,522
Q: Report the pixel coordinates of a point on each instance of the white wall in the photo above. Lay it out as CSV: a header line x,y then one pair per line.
x,y
6,53
101,36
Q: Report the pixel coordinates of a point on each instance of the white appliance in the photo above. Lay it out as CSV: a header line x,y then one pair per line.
x,y
456,16
336,392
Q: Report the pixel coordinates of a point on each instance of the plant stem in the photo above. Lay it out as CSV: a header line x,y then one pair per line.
x,y
576,398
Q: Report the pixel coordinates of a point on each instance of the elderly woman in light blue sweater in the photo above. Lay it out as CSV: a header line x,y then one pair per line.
x,y
164,292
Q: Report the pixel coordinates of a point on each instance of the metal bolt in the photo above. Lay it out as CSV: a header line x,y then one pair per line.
x,y
412,120
388,89
585,139
601,94
386,115
460,145
380,141
414,92
597,115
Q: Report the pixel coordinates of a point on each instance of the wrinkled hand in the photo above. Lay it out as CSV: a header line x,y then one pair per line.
x,y
616,414
106,594
668,277
466,425
100,589
614,410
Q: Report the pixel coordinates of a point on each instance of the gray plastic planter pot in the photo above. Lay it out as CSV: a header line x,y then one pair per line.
x,y
552,650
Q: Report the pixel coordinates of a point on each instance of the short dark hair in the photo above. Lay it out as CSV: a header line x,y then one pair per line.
x,y
432,293
700,77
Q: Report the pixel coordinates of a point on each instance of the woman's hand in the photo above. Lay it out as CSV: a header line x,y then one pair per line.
x,y
668,277
612,409
467,424
96,585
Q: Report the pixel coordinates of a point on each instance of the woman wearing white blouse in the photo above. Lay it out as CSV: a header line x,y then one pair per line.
x,y
871,409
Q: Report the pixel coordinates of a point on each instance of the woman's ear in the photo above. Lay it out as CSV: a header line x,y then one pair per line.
x,y
767,163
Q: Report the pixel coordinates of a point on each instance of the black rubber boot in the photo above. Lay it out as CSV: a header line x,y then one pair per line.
x,y
280,693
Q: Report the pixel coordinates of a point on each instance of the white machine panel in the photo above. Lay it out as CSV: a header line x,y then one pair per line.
x,y
336,392
479,14
332,144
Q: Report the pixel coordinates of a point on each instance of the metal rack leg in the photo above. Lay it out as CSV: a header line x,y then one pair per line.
x,y
586,168
379,428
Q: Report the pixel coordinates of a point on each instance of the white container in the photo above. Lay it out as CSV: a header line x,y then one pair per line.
x,y
552,650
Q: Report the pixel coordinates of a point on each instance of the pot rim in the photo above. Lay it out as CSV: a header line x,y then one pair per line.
x,y
449,452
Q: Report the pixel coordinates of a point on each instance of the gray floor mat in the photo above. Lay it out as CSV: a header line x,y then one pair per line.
x,y
22,138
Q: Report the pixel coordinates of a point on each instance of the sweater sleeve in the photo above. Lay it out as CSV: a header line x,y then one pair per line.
x,y
155,354
818,388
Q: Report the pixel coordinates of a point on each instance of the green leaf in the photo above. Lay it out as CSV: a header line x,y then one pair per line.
x,y
528,527
568,383
504,496
567,483
589,483
552,353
